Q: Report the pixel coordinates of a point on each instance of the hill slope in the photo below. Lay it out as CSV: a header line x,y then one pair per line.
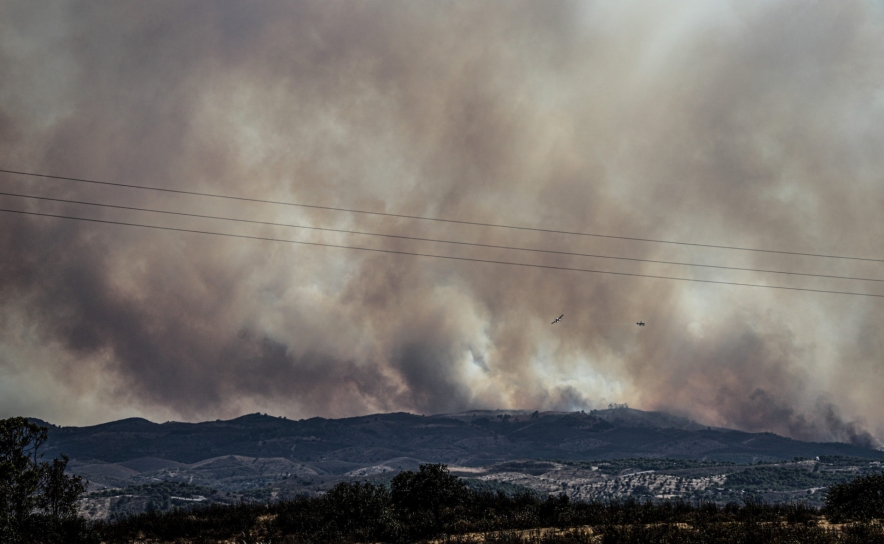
x,y
259,457
468,439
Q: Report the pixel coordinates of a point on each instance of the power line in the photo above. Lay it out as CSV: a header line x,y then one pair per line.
x,y
469,259
437,219
435,240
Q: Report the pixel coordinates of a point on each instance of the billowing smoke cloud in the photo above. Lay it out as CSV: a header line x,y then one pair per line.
x,y
755,124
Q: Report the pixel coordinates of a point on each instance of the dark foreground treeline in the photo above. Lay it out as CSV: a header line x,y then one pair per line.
x,y
503,520
38,506
432,504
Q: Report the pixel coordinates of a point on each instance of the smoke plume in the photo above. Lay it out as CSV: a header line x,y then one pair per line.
x,y
747,124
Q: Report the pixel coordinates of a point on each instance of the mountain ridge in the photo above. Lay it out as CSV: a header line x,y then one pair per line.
x,y
601,454
470,438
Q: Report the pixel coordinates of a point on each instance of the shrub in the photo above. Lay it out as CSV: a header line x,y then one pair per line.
x,y
862,498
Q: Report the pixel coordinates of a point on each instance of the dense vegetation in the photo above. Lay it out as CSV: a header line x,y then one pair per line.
x,y
160,490
862,498
615,466
38,506
159,496
360,512
431,503
781,478
37,498
496,486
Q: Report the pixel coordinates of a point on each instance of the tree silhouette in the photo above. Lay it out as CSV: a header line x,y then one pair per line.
x,y
37,499
432,489
59,492
20,442
356,508
862,498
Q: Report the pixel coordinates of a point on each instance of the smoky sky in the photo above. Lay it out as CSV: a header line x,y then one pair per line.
x,y
750,124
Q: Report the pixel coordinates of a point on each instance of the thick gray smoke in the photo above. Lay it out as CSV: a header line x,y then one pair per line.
x,y
755,124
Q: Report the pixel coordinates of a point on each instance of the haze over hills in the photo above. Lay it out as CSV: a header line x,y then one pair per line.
x,y
468,439
134,463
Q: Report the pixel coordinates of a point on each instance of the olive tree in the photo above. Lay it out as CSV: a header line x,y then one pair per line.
x,y
430,490
860,498
37,498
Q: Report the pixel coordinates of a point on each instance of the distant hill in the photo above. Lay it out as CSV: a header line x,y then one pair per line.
x,y
472,438
260,457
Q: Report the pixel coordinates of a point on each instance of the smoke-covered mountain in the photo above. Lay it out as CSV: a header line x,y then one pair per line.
x,y
134,464
472,438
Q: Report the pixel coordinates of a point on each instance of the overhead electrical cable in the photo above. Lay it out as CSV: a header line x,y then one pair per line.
x,y
450,257
437,219
436,240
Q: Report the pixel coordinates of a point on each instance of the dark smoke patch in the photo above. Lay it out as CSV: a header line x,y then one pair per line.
x,y
822,423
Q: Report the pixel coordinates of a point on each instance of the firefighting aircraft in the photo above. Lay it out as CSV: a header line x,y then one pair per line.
x,y
558,319
641,323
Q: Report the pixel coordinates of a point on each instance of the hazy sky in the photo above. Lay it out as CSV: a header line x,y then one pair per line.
x,y
744,123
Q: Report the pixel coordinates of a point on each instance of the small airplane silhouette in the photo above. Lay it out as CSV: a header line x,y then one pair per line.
x,y
641,323
558,319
